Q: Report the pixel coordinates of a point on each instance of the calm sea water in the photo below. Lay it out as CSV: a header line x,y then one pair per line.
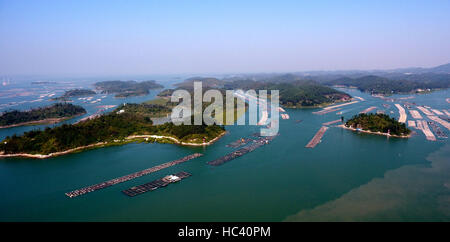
x,y
348,176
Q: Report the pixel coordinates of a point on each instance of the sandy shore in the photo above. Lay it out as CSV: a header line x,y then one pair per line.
x,y
176,140
100,144
370,132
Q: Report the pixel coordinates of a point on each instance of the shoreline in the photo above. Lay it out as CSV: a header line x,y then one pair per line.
x,y
40,156
41,122
153,136
101,144
370,132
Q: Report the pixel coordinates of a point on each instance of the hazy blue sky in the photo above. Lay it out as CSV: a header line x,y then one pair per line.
x,y
167,37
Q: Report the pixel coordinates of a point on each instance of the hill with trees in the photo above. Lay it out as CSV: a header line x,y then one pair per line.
x,y
378,123
112,128
127,88
396,84
294,93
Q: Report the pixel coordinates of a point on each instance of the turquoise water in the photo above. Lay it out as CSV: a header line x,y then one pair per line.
x,y
277,181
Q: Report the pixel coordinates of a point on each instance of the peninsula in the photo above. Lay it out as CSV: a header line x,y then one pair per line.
x,y
294,91
124,89
128,123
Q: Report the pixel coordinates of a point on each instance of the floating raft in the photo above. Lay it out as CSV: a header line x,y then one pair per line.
x,y
239,142
368,109
425,111
415,114
446,112
437,130
115,181
340,105
402,112
317,138
324,111
440,121
238,153
422,125
332,122
153,185
437,112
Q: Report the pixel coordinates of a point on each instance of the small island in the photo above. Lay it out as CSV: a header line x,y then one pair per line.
x,y
380,124
124,89
46,115
75,93
308,95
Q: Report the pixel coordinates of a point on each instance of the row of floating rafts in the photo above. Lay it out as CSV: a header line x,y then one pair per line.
x,y
47,95
437,130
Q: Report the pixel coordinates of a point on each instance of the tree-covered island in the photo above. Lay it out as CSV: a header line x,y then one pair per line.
x,y
377,124
127,88
45,115
127,123
294,91
75,93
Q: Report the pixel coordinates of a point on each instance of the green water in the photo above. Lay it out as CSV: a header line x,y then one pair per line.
x,y
279,181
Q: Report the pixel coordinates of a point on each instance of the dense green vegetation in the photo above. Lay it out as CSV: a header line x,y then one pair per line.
x,y
127,88
378,123
307,94
75,93
207,82
58,110
294,91
146,109
298,93
382,85
113,126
